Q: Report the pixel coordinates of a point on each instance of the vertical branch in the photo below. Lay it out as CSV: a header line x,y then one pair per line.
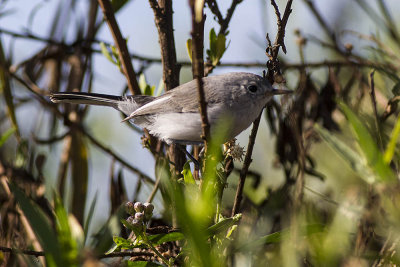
x,y
120,42
198,20
163,18
272,53
373,100
246,165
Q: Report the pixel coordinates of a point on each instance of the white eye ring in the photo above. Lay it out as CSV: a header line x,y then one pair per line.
x,y
252,88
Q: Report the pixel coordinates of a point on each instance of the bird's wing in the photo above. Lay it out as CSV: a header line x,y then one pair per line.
x,y
184,98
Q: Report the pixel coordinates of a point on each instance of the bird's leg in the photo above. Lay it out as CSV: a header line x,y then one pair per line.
x,y
190,156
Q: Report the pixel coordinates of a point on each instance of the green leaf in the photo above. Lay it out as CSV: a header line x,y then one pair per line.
x,y
114,248
189,48
145,88
141,264
89,218
396,89
103,239
217,47
162,238
369,147
223,225
138,233
160,88
122,242
353,159
41,226
278,237
213,42
391,146
79,175
67,243
5,88
187,174
4,137
106,53
220,45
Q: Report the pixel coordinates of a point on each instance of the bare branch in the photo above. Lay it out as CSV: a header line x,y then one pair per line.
x,y
120,42
272,68
198,69
102,256
246,164
163,18
376,116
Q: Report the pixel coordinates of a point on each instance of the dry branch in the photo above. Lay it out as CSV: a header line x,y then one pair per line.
x,y
120,42
274,52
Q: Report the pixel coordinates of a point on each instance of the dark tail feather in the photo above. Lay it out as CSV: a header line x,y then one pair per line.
x,y
126,104
86,98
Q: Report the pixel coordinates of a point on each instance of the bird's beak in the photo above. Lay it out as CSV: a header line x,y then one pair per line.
x,y
281,92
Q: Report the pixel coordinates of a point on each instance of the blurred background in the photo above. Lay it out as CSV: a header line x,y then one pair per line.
x,y
27,27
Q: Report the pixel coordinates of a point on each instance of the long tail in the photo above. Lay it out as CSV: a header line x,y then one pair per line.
x,y
126,104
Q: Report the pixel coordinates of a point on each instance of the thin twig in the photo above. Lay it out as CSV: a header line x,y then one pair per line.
x,y
198,69
322,22
354,62
273,54
163,19
246,164
224,25
22,251
102,256
126,254
376,116
120,42
80,128
117,157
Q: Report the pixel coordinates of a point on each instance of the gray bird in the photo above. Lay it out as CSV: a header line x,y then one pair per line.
x,y
174,116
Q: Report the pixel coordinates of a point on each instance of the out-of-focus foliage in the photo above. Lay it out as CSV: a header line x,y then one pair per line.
x,y
323,189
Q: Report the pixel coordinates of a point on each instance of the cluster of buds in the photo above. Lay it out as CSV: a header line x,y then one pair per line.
x,y
234,150
139,213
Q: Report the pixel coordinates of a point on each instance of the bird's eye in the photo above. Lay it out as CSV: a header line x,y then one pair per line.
x,y
252,88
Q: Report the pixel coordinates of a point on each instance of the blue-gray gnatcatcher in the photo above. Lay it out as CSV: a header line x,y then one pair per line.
x,y
174,116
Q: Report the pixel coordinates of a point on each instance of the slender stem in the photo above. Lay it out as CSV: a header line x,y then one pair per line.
x,y
376,117
246,165
150,245
120,42
198,69
102,256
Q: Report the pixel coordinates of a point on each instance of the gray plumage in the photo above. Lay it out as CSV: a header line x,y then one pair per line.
x,y
174,116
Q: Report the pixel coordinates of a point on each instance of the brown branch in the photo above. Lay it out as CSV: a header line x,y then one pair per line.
x,y
102,256
117,157
198,69
126,254
281,22
373,101
273,50
163,19
120,42
22,251
321,21
246,164
55,110
355,61
223,22
228,17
